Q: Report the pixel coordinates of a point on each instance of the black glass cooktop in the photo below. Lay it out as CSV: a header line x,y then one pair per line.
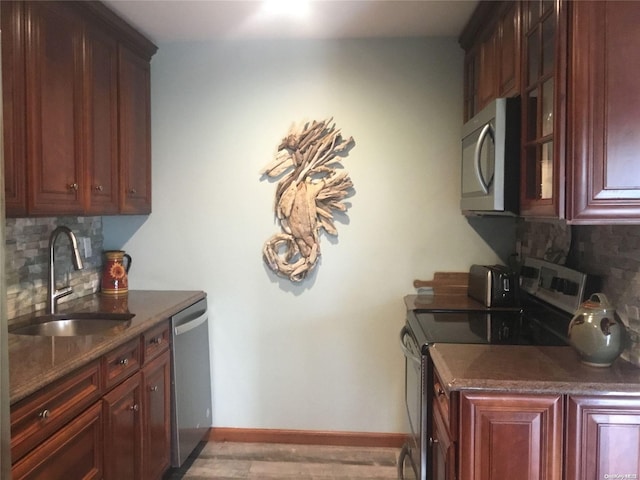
x,y
505,328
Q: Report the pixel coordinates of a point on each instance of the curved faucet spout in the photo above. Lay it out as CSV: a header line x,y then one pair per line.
x,y
54,294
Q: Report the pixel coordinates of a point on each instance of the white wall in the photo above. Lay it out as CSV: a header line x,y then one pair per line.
x,y
323,354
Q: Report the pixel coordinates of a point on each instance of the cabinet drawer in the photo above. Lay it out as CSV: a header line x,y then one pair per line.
x,y
155,341
75,451
39,416
121,363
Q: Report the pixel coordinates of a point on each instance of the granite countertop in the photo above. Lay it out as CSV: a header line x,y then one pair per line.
x,y
517,368
529,369
36,361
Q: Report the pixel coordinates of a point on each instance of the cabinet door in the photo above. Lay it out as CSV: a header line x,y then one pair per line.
x,y
444,451
101,74
74,452
604,177
508,51
123,431
603,437
54,98
14,118
487,85
135,133
510,436
542,185
156,383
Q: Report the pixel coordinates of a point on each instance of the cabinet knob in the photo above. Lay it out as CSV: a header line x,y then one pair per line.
x,y
134,407
98,188
153,389
440,392
433,441
132,191
156,341
73,187
124,361
46,413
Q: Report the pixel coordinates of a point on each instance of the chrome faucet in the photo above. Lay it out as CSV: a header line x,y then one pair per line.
x,y
54,294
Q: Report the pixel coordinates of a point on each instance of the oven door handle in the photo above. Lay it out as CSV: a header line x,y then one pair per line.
x,y
405,349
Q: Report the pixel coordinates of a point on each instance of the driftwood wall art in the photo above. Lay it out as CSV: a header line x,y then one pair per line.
x,y
311,187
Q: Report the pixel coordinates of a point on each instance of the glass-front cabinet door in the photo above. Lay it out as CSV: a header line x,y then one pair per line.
x,y
543,110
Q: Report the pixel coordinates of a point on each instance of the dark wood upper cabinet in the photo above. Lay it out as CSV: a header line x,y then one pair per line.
x,y
13,102
54,95
542,192
491,42
101,70
508,53
604,112
135,133
73,107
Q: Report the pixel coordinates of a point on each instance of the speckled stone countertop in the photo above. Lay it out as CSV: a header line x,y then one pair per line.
x,y
36,361
529,369
519,369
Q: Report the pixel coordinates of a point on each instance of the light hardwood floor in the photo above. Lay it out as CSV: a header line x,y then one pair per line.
x,y
265,461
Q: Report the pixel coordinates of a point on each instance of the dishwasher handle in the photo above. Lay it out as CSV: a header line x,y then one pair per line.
x,y
191,324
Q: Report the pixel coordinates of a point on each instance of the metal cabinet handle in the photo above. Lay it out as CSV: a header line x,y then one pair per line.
x,y
124,361
134,407
156,341
46,413
440,391
73,186
153,389
98,188
433,441
133,191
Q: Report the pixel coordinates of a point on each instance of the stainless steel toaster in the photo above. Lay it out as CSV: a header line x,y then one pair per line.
x,y
493,285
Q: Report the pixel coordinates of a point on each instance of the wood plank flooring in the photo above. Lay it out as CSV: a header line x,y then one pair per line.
x,y
265,461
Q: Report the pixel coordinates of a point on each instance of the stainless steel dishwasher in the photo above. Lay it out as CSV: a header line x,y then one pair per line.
x,y
190,380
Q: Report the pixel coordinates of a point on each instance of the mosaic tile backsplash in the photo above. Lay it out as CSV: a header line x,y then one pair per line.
x,y
27,260
610,251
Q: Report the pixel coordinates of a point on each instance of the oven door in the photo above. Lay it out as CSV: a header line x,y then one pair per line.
x,y
413,461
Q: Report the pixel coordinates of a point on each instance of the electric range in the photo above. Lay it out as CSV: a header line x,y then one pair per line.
x,y
548,295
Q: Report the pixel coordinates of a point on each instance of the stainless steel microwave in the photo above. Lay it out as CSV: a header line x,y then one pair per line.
x,y
491,160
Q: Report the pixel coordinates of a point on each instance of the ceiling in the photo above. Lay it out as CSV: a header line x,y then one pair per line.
x,y
203,20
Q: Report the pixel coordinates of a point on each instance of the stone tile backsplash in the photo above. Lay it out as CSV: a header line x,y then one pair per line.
x,y
27,260
610,251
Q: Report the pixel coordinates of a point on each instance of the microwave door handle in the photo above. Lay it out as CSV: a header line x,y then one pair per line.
x,y
481,139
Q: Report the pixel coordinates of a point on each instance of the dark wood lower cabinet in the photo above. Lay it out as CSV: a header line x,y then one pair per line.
x,y
444,450
603,437
123,430
510,436
156,403
75,452
110,419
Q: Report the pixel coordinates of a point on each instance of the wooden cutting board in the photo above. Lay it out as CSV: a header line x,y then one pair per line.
x,y
446,283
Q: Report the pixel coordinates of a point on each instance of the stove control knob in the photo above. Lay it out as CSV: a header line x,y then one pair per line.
x,y
559,284
570,288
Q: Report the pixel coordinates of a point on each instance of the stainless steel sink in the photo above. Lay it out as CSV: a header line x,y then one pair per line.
x,y
75,324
